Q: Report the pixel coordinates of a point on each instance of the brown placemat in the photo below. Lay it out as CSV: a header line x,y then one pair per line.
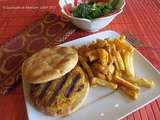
x,y
48,31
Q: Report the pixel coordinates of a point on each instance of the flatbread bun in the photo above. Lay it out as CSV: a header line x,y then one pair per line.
x,y
62,96
49,64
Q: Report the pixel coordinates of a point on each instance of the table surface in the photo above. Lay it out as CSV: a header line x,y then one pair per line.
x,y
140,17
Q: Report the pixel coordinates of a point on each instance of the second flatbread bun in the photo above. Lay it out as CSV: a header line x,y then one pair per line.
x,y
49,64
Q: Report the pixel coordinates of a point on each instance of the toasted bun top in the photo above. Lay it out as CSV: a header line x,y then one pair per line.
x,y
49,64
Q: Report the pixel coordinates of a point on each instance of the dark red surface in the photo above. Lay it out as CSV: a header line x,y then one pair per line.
x,y
140,17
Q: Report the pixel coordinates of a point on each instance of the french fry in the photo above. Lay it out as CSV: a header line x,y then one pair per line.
x,y
123,45
107,48
119,59
105,83
83,49
110,68
103,56
143,82
99,44
100,75
130,79
109,76
122,38
92,55
97,73
131,93
106,70
116,63
100,54
86,67
111,42
102,43
118,73
128,61
127,84
92,45
110,58
100,68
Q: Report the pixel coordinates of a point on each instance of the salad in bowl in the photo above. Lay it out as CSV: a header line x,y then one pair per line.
x,y
91,15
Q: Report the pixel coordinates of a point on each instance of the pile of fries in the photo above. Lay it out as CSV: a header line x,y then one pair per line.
x,y
109,63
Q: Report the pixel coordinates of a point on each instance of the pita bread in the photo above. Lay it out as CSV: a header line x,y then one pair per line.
x,y
49,64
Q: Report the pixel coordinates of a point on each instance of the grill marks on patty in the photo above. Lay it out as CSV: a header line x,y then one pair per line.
x,y
57,91
44,89
71,87
49,91
37,89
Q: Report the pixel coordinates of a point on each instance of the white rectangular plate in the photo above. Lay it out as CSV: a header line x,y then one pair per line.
x,y
103,103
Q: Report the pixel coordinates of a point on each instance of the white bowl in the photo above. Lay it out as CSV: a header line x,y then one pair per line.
x,y
94,24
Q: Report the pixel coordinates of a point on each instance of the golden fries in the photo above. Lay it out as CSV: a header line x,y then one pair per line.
x,y
110,58
111,68
109,63
103,57
100,75
119,59
128,61
142,82
100,54
97,73
92,55
104,83
131,93
145,83
99,44
127,84
122,38
124,46
100,68
86,67
103,70
118,73
116,63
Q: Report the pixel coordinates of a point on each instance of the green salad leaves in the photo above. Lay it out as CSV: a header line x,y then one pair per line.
x,y
91,10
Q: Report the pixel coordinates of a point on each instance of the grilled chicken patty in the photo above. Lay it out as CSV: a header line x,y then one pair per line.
x,y
61,96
